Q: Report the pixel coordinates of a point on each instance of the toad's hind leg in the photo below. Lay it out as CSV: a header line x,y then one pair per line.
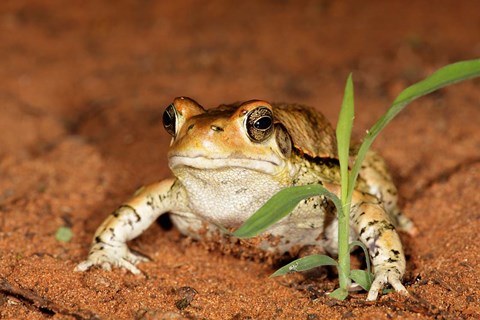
x,y
379,183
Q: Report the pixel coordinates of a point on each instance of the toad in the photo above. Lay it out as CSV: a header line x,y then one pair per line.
x,y
228,161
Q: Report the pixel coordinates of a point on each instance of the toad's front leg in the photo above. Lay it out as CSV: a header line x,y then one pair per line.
x,y
375,229
109,245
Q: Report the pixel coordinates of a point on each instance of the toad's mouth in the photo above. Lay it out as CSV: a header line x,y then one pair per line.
x,y
270,166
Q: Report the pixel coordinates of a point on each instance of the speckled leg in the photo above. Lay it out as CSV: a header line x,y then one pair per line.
x,y
109,246
375,229
380,184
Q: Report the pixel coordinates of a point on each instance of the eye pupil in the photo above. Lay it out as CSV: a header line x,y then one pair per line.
x,y
167,119
263,123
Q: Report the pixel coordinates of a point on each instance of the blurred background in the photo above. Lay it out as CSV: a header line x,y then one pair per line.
x,y
103,71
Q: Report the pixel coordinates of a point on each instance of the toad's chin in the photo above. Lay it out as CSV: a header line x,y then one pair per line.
x,y
207,163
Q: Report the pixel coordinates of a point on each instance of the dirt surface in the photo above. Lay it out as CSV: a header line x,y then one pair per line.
x,y
82,90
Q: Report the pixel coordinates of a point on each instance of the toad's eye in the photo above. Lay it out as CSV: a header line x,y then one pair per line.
x,y
170,120
259,124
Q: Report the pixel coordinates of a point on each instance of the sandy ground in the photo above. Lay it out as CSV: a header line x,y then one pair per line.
x,y
82,90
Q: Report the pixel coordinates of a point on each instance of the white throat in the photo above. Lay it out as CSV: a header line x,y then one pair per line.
x,y
226,195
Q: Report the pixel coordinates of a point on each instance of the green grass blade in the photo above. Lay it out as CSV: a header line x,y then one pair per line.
x,y
362,277
356,243
305,263
279,206
449,74
344,132
339,294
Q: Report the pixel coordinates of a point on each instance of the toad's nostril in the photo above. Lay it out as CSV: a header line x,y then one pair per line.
x,y
216,128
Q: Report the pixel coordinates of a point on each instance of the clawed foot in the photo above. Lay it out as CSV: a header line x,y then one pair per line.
x,y
382,278
109,256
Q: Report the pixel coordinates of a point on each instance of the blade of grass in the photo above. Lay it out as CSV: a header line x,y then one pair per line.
x,y
339,294
449,74
305,263
357,243
279,206
362,277
344,132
